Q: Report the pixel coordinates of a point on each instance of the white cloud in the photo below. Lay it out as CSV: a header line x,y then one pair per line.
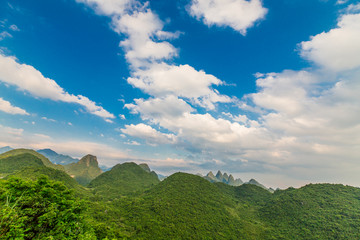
x,y
142,29
133,143
122,116
155,108
48,119
6,106
149,134
338,49
108,7
237,14
341,1
182,81
4,35
14,28
27,78
353,8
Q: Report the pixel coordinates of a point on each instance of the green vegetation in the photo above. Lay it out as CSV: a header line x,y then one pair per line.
x,y
129,202
33,173
11,164
20,151
40,209
316,211
123,179
85,170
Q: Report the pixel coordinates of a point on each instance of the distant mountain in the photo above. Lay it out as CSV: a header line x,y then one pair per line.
x,y
254,182
104,168
5,149
57,158
124,179
161,177
44,160
84,170
224,178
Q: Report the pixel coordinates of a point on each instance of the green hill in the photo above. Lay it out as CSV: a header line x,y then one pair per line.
x,y
316,211
123,179
85,170
33,173
11,164
44,160
186,206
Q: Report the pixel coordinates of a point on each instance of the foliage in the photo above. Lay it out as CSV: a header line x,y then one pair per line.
x,y
123,179
12,164
316,211
40,209
33,173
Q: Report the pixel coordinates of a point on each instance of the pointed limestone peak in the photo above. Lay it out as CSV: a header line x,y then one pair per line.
x,y
219,175
210,175
89,160
231,180
225,178
145,167
238,182
253,181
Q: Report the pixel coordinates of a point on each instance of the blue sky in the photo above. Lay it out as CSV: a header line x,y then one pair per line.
x,y
260,89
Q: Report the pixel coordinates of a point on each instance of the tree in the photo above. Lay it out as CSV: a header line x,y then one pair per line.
x,y
41,209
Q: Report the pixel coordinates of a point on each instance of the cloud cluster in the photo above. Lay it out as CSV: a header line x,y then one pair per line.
x,y
27,78
6,106
302,123
181,81
237,14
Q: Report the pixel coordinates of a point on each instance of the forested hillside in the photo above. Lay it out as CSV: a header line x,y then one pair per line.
x,y
129,202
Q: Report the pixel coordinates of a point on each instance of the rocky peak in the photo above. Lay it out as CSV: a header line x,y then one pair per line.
x,y
89,160
225,178
210,175
231,180
219,175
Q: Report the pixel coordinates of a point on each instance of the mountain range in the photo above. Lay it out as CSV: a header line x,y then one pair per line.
x,y
129,202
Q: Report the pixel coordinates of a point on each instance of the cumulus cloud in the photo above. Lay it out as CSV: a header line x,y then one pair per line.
x,y
29,79
155,108
237,14
149,134
6,106
304,124
182,81
338,49
147,53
